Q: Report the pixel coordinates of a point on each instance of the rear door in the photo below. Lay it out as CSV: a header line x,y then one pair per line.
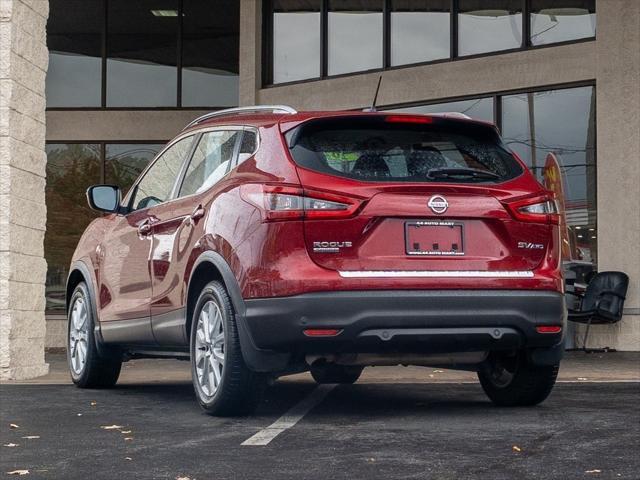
x,y
433,196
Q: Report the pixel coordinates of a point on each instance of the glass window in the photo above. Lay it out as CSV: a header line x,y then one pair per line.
x,y
142,53
489,26
559,21
74,38
210,48
373,149
71,169
210,162
355,35
479,108
555,130
125,162
420,31
157,184
296,40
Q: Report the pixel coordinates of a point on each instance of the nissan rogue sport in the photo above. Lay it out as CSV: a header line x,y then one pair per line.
x,y
262,241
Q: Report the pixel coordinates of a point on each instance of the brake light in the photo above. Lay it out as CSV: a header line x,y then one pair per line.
x,y
548,328
293,203
538,209
408,119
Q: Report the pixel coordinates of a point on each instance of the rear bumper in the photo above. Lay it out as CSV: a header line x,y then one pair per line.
x,y
406,321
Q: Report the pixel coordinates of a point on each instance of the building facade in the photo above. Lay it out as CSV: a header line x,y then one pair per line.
x,y
560,78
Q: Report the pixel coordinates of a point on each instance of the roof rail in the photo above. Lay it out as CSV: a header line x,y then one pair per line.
x,y
451,115
284,109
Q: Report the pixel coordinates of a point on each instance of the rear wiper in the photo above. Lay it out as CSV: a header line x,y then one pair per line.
x,y
460,172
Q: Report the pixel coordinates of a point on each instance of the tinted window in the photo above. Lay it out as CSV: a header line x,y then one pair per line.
x,y
156,185
562,20
296,40
71,169
355,35
142,53
419,30
558,127
210,47
248,145
125,162
210,162
479,108
489,26
74,38
377,150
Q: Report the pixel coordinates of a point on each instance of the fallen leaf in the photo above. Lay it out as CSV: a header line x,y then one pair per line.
x,y
31,437
93,403
13,426
111,427
516,448
183,478
593,471
18,472
10,445
431,375
438,371
79,414
128,439
128,458
125,431
582,378
371,459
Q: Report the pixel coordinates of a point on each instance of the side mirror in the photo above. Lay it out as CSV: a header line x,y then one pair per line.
x,y
104,198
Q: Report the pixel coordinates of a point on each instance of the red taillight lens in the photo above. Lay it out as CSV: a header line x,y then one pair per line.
x,y
322,332
538,209
548,329
293,203
408,119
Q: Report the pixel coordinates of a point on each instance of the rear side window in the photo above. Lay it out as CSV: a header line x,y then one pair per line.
x,y
394,148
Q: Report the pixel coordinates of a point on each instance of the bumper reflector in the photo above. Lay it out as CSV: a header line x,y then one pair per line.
x,y
322,332
548,329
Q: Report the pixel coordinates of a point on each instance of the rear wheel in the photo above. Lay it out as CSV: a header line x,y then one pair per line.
x,y
332,373
88,368
509,379
223,383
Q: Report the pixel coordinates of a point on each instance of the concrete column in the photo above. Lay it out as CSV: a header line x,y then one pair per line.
x,y
250,50
618,144
23,66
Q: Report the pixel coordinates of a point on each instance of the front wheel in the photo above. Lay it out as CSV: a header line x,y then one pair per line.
x,y
88,368
509,379
223,383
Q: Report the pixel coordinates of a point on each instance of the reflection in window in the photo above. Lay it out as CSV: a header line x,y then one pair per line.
x,y
489,26
210,48
74,37
142,53
125,162
419,31
296,40
157,184
559,126
71,169
355,35
558,21
479,108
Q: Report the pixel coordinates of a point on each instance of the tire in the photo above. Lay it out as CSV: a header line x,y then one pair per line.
x,y
223,383
511,380
332,373
88,368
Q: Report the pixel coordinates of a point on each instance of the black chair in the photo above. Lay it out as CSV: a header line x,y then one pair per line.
x,y
602,301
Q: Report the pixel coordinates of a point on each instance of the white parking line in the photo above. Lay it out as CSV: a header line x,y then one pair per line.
x,y
289,419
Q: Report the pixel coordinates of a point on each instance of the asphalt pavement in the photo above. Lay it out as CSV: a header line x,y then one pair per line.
x,y
370,430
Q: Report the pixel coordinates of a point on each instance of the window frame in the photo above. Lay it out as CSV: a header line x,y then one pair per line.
x,y
267,43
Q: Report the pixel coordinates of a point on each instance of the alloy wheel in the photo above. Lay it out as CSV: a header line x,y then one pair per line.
x,y
209,348
78,335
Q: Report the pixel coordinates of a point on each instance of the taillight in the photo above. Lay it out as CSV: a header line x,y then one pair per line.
x,y
293,203
548,329
538,209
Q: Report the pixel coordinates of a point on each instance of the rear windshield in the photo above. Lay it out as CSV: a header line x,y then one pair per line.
x,y
381,150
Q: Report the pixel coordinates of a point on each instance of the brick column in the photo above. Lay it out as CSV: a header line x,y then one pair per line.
x,y
23,66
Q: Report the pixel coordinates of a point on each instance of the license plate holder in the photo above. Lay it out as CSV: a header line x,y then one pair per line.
x,y
434,238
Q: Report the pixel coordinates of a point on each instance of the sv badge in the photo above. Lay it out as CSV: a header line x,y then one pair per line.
x,y
531,246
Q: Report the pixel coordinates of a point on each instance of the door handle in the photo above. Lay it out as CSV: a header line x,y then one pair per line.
x,y
144,228
198,213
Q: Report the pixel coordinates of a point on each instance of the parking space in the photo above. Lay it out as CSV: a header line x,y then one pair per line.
x,y
373,429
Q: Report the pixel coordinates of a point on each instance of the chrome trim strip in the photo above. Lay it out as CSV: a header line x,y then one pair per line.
x,y
436,274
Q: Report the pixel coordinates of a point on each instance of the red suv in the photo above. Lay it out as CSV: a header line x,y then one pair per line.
x,y
263,241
